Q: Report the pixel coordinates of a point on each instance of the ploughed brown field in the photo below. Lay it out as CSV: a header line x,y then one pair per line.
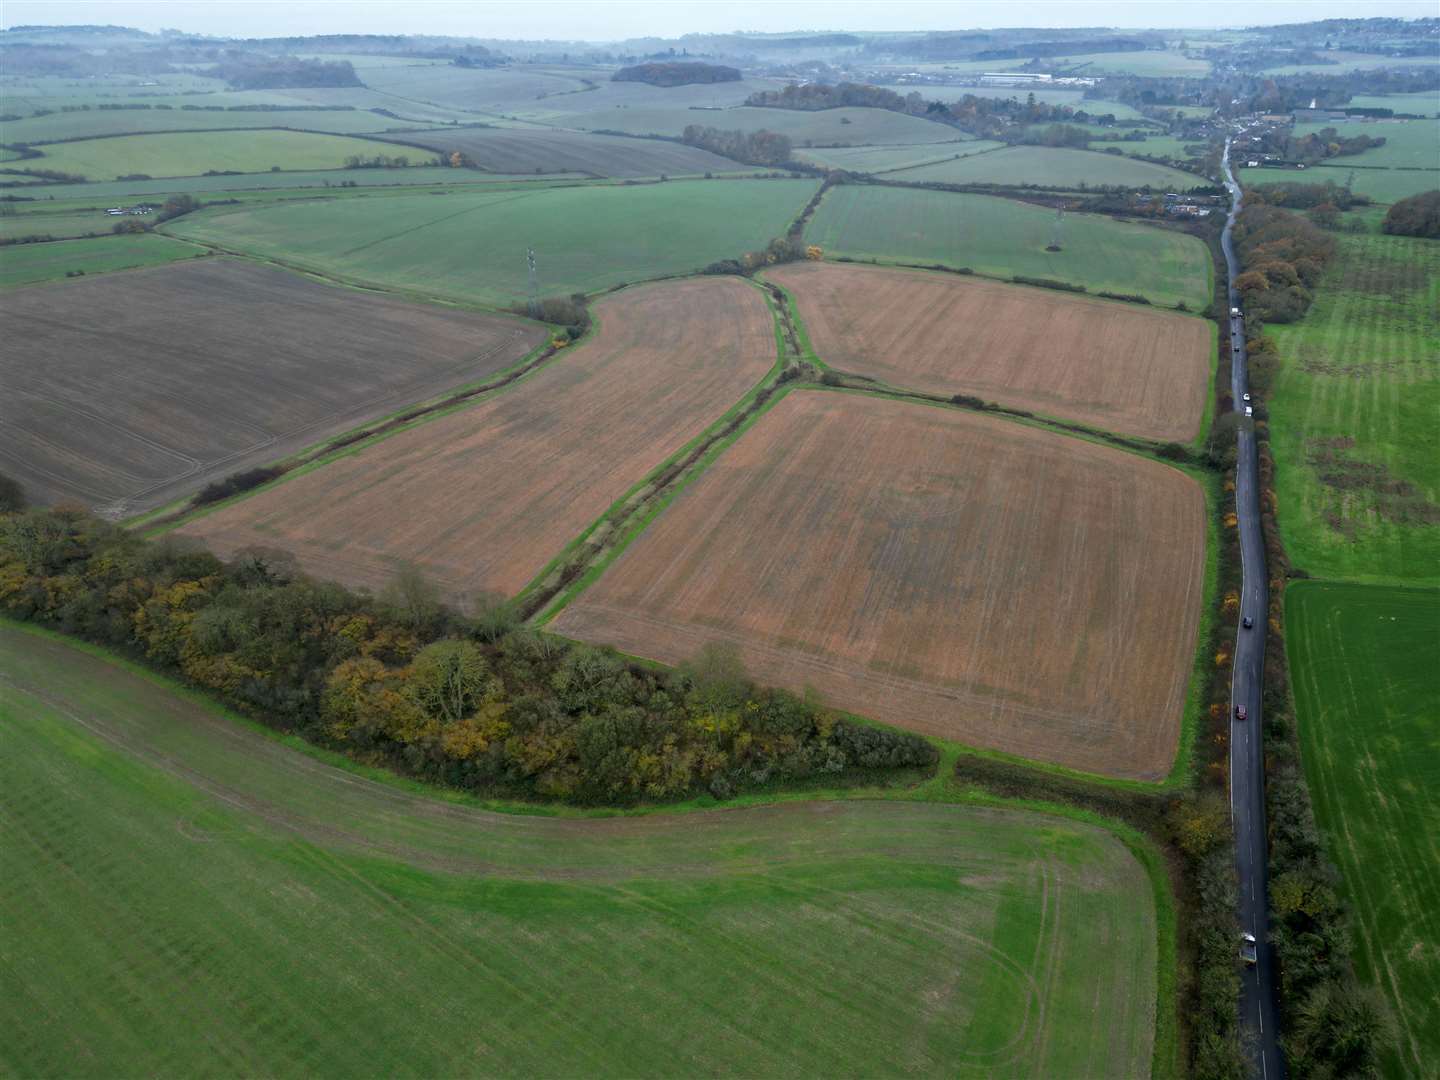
x,y
939,570
127,391
483,498
1114,366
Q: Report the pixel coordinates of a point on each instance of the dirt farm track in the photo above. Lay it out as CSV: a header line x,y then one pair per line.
x,y
1115,366
126,391
946,572
481,499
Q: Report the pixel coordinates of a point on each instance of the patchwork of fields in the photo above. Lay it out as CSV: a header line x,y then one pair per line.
x,y
1111,365
97,122
1002,238
1353,413
470,245
264,913
483,498
1406,165
150,384
827,127
946,572
1368,702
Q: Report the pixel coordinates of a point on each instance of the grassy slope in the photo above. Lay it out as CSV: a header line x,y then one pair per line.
x,y
264,913
1151,63
94,122
57,225
1362,364
219,187
1381,185
24,264
883,158
1002,238
1044,166
1368,698
471,245
195,153
1407,164
1421,103
1408,143
828,127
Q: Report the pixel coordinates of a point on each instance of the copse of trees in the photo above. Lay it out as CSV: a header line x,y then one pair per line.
x,y
752,147
476,703
677,74
1328,143
987,117
246,71
1283,256
1295,195
1419,215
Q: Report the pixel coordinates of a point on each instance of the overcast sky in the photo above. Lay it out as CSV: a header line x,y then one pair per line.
x,y
599,20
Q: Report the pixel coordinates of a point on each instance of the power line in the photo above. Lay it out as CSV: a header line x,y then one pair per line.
x,y
534,284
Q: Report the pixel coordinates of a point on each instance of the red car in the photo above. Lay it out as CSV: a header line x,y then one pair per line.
x,y
1240,712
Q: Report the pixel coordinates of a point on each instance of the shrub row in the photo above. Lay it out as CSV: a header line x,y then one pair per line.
x,y
478,703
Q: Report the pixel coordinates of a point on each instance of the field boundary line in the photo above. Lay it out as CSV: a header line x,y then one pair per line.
x,y
172,516
685,464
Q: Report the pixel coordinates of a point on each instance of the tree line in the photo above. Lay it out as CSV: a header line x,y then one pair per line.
x,y
677,74
999,118
246,71
1283,256
752,147
478,703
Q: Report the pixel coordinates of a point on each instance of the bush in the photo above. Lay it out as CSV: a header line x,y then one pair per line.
x,y
12,494
235,484
1418,215
1048,283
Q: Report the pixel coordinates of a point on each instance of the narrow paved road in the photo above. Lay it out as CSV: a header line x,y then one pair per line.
x,y
1247,779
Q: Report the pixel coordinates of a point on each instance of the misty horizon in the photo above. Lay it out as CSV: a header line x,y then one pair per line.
x,y
571,21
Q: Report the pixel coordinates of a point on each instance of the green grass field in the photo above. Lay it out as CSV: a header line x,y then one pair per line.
x,y
112,122
1367,691
184,895
1382,185
25,264
471,246
1408,143
1149,63
420,177
1422,103
1046,167
1342,62
877,159
1353,417
190,154
1002,238
58,225
828,127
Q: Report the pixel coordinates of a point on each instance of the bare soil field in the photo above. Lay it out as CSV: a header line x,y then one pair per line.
x,y
949,573
519,150
131,390
1114,366
483,498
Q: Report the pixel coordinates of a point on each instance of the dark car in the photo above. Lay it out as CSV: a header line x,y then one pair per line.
x,y
1247,622
1240,713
